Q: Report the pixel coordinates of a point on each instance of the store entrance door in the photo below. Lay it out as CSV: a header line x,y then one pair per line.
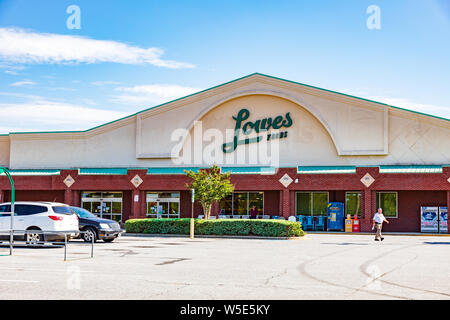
x,y
163,205
106,205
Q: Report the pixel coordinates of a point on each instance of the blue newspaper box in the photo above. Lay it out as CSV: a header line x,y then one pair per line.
x,y
335,216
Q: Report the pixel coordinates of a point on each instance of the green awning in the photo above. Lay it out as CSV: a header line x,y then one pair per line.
x,y
103,171
326,170
248,170
411,169
33,172
171,170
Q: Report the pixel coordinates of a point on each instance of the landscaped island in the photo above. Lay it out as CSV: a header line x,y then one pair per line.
x,y
242,227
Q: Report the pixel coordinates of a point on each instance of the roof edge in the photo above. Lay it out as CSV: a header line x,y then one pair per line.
x,y
224,84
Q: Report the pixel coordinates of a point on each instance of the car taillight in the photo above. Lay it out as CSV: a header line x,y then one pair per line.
x,y
56,218
77,217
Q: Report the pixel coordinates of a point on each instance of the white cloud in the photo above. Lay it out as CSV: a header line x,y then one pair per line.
x,y
21,46
104,83
42,115
440,111
152,94
60,89
23,83
11,69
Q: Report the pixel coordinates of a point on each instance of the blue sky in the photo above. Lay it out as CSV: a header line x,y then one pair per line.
x,y
131,55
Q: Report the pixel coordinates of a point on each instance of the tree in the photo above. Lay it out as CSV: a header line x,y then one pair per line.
x,y
210,186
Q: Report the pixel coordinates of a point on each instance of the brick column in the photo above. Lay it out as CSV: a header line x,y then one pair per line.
x,y
68,197
76,198
285,203
215,209
142,204
448,207
2,196
367,210
280,210
135,204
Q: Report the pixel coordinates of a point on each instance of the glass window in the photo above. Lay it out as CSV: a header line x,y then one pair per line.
x,y
62,210
91,195
304,203
256,199
163,204
388,202
87,206
117,207
226,205
112,195
5,208
174,209
240,203
26,210
353,203
312,203
152,207
82,213
320,201
96,208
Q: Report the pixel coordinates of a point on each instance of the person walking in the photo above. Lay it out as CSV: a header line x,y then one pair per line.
x,y
378,220
253,212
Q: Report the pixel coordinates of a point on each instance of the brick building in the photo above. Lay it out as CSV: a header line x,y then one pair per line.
x,y
290,148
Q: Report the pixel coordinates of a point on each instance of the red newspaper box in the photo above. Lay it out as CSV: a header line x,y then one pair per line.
x,y
356,224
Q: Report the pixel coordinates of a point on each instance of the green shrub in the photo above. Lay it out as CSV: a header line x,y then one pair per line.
x,y
241,227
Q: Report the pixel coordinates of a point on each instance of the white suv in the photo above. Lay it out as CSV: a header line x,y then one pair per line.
x,y
44,216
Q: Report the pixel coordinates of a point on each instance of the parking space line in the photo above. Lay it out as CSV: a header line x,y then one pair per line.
x,y
21,281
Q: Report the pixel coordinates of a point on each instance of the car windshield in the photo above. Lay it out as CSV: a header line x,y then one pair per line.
x,y
62,210
82,213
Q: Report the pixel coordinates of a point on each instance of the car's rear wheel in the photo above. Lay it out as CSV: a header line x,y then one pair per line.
x,y
34,237
90,235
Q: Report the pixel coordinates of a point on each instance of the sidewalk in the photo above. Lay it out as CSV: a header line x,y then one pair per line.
x,y
384,233
286,238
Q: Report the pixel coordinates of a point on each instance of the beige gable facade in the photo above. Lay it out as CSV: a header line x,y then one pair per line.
x,y
327,129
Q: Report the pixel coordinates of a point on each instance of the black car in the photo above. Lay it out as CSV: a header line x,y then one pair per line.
x,y
99,228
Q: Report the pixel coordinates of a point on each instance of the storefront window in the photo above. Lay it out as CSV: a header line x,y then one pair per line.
x,y
388,202
226,205
304,203
163,204
256,199
353,203
106,205
312,203
240,203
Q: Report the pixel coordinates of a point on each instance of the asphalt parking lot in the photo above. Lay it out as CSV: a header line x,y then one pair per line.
x,y
320,266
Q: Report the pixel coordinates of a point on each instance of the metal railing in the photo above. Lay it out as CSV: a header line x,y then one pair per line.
x,y
24,233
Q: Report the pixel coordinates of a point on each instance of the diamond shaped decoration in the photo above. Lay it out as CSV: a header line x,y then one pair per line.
x,y
136,181
286,180
367,180
69,181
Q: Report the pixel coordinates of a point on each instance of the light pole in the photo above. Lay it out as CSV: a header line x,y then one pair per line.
x,y
11,182
192,214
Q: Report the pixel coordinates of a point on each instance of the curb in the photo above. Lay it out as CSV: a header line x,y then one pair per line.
x,y
209,236
414,234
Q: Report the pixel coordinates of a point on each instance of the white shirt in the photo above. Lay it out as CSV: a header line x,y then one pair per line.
x,y
378,217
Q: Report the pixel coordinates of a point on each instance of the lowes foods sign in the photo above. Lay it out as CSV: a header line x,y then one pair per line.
x,y
259,126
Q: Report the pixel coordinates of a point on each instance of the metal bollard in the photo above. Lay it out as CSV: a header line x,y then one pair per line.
x,y
11,239
65,246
